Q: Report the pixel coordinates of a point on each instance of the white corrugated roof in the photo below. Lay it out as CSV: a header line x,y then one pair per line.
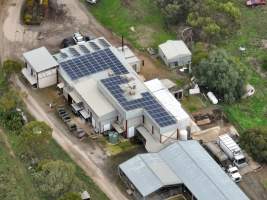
x,y
190,164
40,59
167,100
148,173
174,48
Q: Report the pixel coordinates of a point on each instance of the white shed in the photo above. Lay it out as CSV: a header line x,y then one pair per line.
x,y
175,53
41,68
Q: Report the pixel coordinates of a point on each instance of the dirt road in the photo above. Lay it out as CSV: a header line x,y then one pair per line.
x,y
74,150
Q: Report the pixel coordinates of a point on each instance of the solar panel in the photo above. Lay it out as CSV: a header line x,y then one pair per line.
x,y
94,46
147,101
84,49
92,63
103,42
63,55
74,52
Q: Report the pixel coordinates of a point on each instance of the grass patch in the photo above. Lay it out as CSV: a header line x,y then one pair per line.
x,y
265,184
15,183
252,112
115,149
143,15
56,153
193,103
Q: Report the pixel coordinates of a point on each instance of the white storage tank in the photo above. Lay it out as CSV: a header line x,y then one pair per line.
x,y
212,98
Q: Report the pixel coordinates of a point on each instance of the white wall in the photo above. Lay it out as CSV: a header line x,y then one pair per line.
x,y
47,78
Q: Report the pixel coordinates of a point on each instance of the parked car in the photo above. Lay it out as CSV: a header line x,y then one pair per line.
x,y
71,126
252,3
66,119
92,1
234,173
67,42
64,115
80,133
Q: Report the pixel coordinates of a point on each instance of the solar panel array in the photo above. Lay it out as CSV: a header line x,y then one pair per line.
x,y
92,63
84,49
74,52
94,46
147,102
104,43
63,55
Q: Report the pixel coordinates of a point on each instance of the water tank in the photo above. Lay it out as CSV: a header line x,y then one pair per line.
x,y
113,137
183,135
212,98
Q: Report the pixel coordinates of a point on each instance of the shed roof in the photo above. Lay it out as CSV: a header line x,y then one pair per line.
x,y
40,59
190,164
148,173
174,48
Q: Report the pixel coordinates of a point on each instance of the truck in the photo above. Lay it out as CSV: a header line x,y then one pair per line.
x,y
219,156
232,150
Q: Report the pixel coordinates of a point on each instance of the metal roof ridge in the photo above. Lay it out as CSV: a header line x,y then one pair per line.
x,y
178,143
140,155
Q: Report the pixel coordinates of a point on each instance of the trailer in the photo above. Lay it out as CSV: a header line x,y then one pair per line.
x,y
215,151
232,150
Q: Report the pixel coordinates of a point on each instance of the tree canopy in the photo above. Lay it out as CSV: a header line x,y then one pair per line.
x,y
34,139
255,143
209,18
221,74
54,178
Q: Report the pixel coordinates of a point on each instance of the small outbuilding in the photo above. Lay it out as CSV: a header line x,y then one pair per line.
x,y
41,68
131,58
175,53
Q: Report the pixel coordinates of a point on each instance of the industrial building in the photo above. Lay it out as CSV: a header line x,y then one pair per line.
x,y
175,54
183,167
101,84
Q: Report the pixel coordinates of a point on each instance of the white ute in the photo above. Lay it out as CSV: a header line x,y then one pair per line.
x,y
234,174
78,38
91,1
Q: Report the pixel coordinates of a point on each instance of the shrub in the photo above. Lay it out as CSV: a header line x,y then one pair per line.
x,y
254,141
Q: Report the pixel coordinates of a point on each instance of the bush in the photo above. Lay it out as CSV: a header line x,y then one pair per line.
x,y
11,66
54,178
254,141
264,64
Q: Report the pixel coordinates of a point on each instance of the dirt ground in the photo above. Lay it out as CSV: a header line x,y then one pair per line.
x,y
16,39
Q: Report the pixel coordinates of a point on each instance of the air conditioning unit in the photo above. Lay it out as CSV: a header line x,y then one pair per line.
x,y
132,92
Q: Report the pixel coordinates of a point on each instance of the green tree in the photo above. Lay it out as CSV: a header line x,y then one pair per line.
x,y
209,18
54,178
221,74
254,142
10,66
70,196
34,139
200,52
